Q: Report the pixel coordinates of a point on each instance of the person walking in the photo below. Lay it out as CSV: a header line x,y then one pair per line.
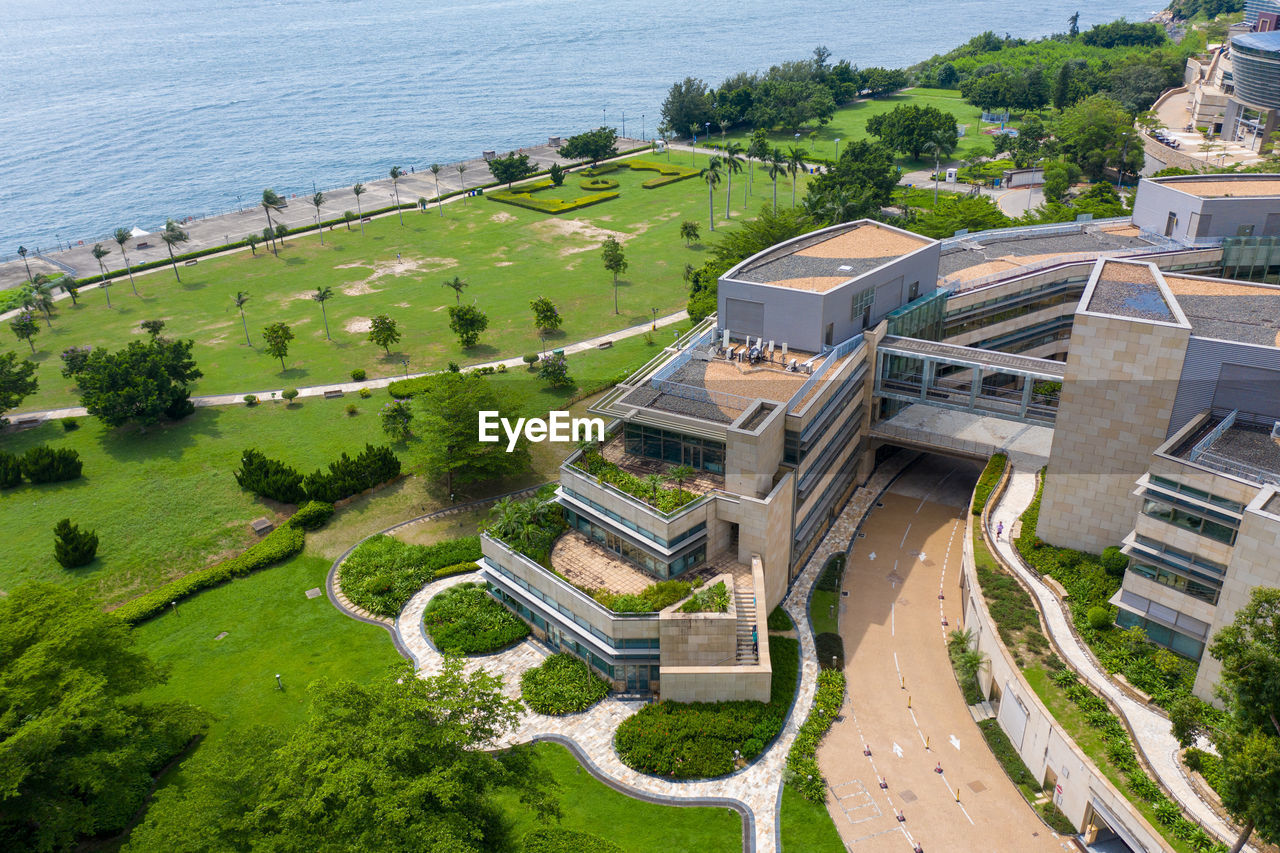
x,y
999,530
755,642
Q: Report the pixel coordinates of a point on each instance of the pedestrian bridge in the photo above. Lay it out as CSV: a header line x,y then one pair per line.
x,y
966,379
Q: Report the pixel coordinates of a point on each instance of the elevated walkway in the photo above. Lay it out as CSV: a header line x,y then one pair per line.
x,y
970,434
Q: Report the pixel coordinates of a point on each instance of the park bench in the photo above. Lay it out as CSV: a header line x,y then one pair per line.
x,y
192,262
333,394
604,345
262,526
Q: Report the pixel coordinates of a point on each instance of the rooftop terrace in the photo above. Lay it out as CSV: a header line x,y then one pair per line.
x,y
820,263
1229,310
615,451
588,564
977,256
1227,187
1244,450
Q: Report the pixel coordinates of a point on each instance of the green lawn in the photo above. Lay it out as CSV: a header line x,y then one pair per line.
x,y
824,612
508,256
636,826
850,123
165,502
807,827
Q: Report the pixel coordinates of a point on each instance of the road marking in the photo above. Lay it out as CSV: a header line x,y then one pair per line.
x,y
904,535
893,630
895,663
871,556
955,741
897,750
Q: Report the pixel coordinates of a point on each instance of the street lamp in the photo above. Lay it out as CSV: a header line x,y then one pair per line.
x,y
642,127
624,124
604,115
655,318
837,148
405,362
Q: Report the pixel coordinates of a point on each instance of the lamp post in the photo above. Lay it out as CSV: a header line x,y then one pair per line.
x,y
405,362
604,115
655,319
624,124
642,127
837,148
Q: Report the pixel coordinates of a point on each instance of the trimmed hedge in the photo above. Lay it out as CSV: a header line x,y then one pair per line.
x,y
347,476
555,839
598,184
990,477
269,478
467,620
43,465
383,573
651,599
276,547
802,760
779,619
522,196
561,685
696,740
312,515
1002,749
668,173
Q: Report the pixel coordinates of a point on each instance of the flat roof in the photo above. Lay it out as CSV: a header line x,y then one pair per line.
x,y
1224,186
986,253
1229,310
720,390
834,258
1266,41
1243,450
1129,290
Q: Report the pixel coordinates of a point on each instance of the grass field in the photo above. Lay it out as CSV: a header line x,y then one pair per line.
x,y
850,123
807,826
165,502
508,256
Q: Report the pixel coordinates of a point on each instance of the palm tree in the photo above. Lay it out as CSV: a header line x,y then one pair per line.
x,y
39,295
99,252
172,236
22,253
654,481
395,185
435,173
271,201
711,174
68,285
939,144
105,287
358,189
795,162
123,236
241,297
732,163
457,286
757,150
462,167
253,240
777,168
680,474
317,200
322,295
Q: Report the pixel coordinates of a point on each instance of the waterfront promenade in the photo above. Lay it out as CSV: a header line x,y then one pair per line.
x,y
237,224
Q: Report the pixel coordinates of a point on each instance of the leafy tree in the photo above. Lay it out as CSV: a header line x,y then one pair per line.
x,y
383,332
69,286
277,336
396,418
141,382
615,261
755,235
450,407
152,327
316,201
457,285
38,295
74,360
253,240
864,175
912,130
79,748
73,547
467,322
1058,178
241,297
546,317
25,328
1096,133
462,170
554,370
99,252
435,173
323,295
977,213
940,144
688,103
282,231
358,190
1124,34
123,236
17,380
395,186
172,235
689,232
594,145
710,174
556,173
289,395
511,168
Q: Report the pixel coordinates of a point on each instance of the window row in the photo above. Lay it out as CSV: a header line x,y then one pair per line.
x,y
631,525
656,443
1181,644
1200,494
1214,530
635,554
1173,580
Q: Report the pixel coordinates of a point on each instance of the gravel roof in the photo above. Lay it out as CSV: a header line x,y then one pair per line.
x,y
831,271
830,262
1249,445
1129,290
1229,311
991,248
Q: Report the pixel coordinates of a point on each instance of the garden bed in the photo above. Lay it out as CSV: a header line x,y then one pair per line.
x,y
523,196
466,620
383,573
562,684
664,500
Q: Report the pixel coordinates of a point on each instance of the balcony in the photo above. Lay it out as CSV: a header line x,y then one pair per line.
x,y
615,451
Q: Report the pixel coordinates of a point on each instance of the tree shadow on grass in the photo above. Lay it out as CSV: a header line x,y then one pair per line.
x,y
485,351
294,373
169,439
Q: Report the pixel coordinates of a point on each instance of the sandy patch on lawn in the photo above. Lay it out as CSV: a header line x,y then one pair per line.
x,y
213,342
360,288
358,325
502,216
398,267
504,263
441,308
305,294
576,228
402,305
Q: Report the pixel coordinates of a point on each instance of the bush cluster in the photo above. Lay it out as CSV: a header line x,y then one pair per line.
x,y
10,470
1057,821
779,619
651,599
39,465
269,478
557,839
990,477
273,479
668,173
1207,765
530,527
523,196
562,684
598,184
73,547
696,740
1002,749
383,573
665,500
802,759
466,620
832,573
312,515
712,599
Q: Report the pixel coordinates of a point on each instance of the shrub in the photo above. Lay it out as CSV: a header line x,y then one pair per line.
x,y
276,547
531,359
466,620
990,477
668,173
358,375
1114,562
523,196
1099,618
352,409
10,470
251,399
73,547
829,645
365,393
1207,765
598,184
651,599
802,759
1057,821
1008,757
180,406
42,465
269,478
70,424
779,620
289,395
662,499
714,599
696,740
556,839
312,515
347,476
562,684
383,573
832,573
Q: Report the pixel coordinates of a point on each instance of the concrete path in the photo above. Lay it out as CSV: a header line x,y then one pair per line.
x,y
1152,730
353,387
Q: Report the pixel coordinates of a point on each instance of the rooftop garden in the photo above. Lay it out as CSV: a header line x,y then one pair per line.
x,y
651,599
712,599
648,489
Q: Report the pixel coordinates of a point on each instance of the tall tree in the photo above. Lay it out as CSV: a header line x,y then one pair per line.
x,y
323,295
395,186
123,236
435,173
358,190
99,252
795,163
467,322
757,150
277,336
462,183
317,199
172,235
457,285
17,381
546,317
253,240
939,144
777,168
38,295
732,161
383,332
241,297
69,286
865,174
615,261
22,253
711,174
25,328
79,747
142,382
688,104
450,448
689,231
271,200
594,145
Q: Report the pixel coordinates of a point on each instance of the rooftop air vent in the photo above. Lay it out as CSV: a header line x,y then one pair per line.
x,y
845,268
1275,431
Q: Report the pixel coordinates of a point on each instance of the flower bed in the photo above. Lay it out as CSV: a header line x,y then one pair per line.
x,y
990,477
523,196
466,620
562,684
696,740
802,759
664,500
383,573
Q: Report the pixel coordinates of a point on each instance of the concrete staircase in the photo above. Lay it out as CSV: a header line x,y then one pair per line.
x,y
744,604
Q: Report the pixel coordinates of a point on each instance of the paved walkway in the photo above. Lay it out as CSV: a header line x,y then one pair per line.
x,y
1150,727
237,399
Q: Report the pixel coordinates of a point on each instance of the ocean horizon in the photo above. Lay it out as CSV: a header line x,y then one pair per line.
x,y
124,115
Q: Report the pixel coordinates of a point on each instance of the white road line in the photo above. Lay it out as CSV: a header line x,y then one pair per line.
x,y
895,663
892,623
904,535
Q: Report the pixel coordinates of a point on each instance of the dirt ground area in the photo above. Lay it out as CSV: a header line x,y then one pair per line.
x,y
904,704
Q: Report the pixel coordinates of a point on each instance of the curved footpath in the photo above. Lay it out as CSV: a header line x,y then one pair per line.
x,y
755,791
353,387
1150,728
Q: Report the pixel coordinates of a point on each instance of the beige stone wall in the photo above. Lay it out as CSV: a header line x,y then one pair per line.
x,y
1117,396
698,639
751,457
730,684
765,530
